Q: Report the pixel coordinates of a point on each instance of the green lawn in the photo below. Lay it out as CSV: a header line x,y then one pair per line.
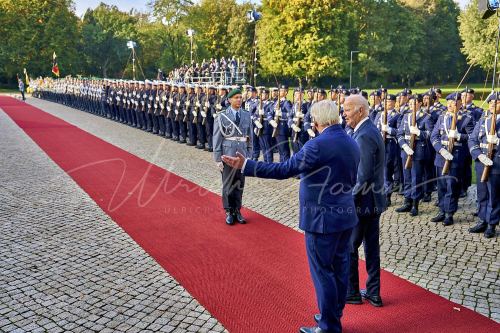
x,y
6,90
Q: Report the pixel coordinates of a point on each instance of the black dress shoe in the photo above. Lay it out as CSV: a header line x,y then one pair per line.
x,y
200,147
210,150
479,227
463,194
312,330
354,299
239,217
490,231
427,197
229,218
439,217
405,208
373,300
476,213
448,219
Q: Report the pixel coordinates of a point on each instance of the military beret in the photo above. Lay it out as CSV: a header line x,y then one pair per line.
x,y
233,93
391,97
493,96
453,97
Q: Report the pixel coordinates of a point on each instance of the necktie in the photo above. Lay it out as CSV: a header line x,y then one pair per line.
x,y
237,118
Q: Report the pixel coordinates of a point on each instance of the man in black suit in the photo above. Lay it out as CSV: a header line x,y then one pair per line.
x,y
369,198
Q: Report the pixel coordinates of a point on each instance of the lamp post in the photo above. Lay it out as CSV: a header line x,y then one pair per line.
x,y
132,45
190,33
252,17
350,69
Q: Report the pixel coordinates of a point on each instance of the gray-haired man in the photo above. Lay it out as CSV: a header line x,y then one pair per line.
x,y
232,133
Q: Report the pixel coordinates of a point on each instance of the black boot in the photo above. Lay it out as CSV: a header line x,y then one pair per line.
x,y
388,200
406,206
490,231
427,197
229,217
439,217
448,219
479,227
414,208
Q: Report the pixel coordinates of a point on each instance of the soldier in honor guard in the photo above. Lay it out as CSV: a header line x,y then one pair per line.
x,y
278,119
190,116
413,130
136,95
232,134
210,104
201,117
167,92
296,120
375,104
172,112
252,106
449,139
181,113
222,101
430,169
156,108
261,119
483,146
389,130
162,98
150,91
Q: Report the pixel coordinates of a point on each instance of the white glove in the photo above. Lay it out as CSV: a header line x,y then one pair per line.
x,y
311,133
295,128
446,154
454,134
273,123
492,139
257,124
220,165
485,160
385,128
408,150
414,130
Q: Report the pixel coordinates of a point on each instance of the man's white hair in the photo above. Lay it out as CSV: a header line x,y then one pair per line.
x,y
358,102
325,113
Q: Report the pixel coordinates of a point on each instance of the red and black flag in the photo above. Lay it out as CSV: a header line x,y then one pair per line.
x,y
55,68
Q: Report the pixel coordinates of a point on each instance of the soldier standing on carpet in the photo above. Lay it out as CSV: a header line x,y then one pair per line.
x,y
232,134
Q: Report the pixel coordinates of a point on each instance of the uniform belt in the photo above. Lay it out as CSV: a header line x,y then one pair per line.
x,y
389,137
485,145
237,138
408,137
457,144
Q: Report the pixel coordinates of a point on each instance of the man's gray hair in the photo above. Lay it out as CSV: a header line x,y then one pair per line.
x,y
325,113
358,102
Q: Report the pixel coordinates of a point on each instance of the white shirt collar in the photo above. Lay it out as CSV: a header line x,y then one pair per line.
x,y
360,123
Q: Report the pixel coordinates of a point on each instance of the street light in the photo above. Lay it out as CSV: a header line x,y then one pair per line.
x,y
190,33
350,70
132,45
252,17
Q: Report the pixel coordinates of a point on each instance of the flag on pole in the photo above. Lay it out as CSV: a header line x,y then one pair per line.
x,y
55,68
26,77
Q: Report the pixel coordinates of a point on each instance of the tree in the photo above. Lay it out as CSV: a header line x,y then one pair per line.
x,y
478,36
31,31
105,32
303,38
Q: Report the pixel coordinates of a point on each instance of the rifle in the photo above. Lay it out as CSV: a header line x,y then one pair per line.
x,y
409,158
298,117
186,107
178,105
277,116
206,107
491,146
451,141
196,105
384,134
260,112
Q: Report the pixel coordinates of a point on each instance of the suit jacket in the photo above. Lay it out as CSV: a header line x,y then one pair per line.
x,y
369,195
327,166
221,144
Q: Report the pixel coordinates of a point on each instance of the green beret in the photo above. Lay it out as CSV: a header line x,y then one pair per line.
x,y
233,92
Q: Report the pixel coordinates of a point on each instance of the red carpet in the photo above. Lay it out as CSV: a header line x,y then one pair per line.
x,y
252,278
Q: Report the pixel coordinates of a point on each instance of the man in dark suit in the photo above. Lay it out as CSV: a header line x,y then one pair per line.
x,y
369,198
327,211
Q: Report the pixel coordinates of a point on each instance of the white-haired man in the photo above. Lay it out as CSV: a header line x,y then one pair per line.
x,y
369,198
327,166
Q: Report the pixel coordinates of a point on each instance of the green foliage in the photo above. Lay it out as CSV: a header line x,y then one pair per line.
x,y
478,36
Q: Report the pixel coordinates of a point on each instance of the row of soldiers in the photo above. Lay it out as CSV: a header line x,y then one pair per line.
x,y
429,146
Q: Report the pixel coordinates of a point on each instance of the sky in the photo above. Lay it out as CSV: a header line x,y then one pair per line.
x,y
126,5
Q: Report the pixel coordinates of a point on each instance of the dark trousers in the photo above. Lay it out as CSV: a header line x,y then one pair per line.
x,y
202,133
283,147
483,196
449,188
210,130
414,179
265,141
494,202
22,94
328,256
192,132
367,232
256,147
161,124
233,183
392,151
